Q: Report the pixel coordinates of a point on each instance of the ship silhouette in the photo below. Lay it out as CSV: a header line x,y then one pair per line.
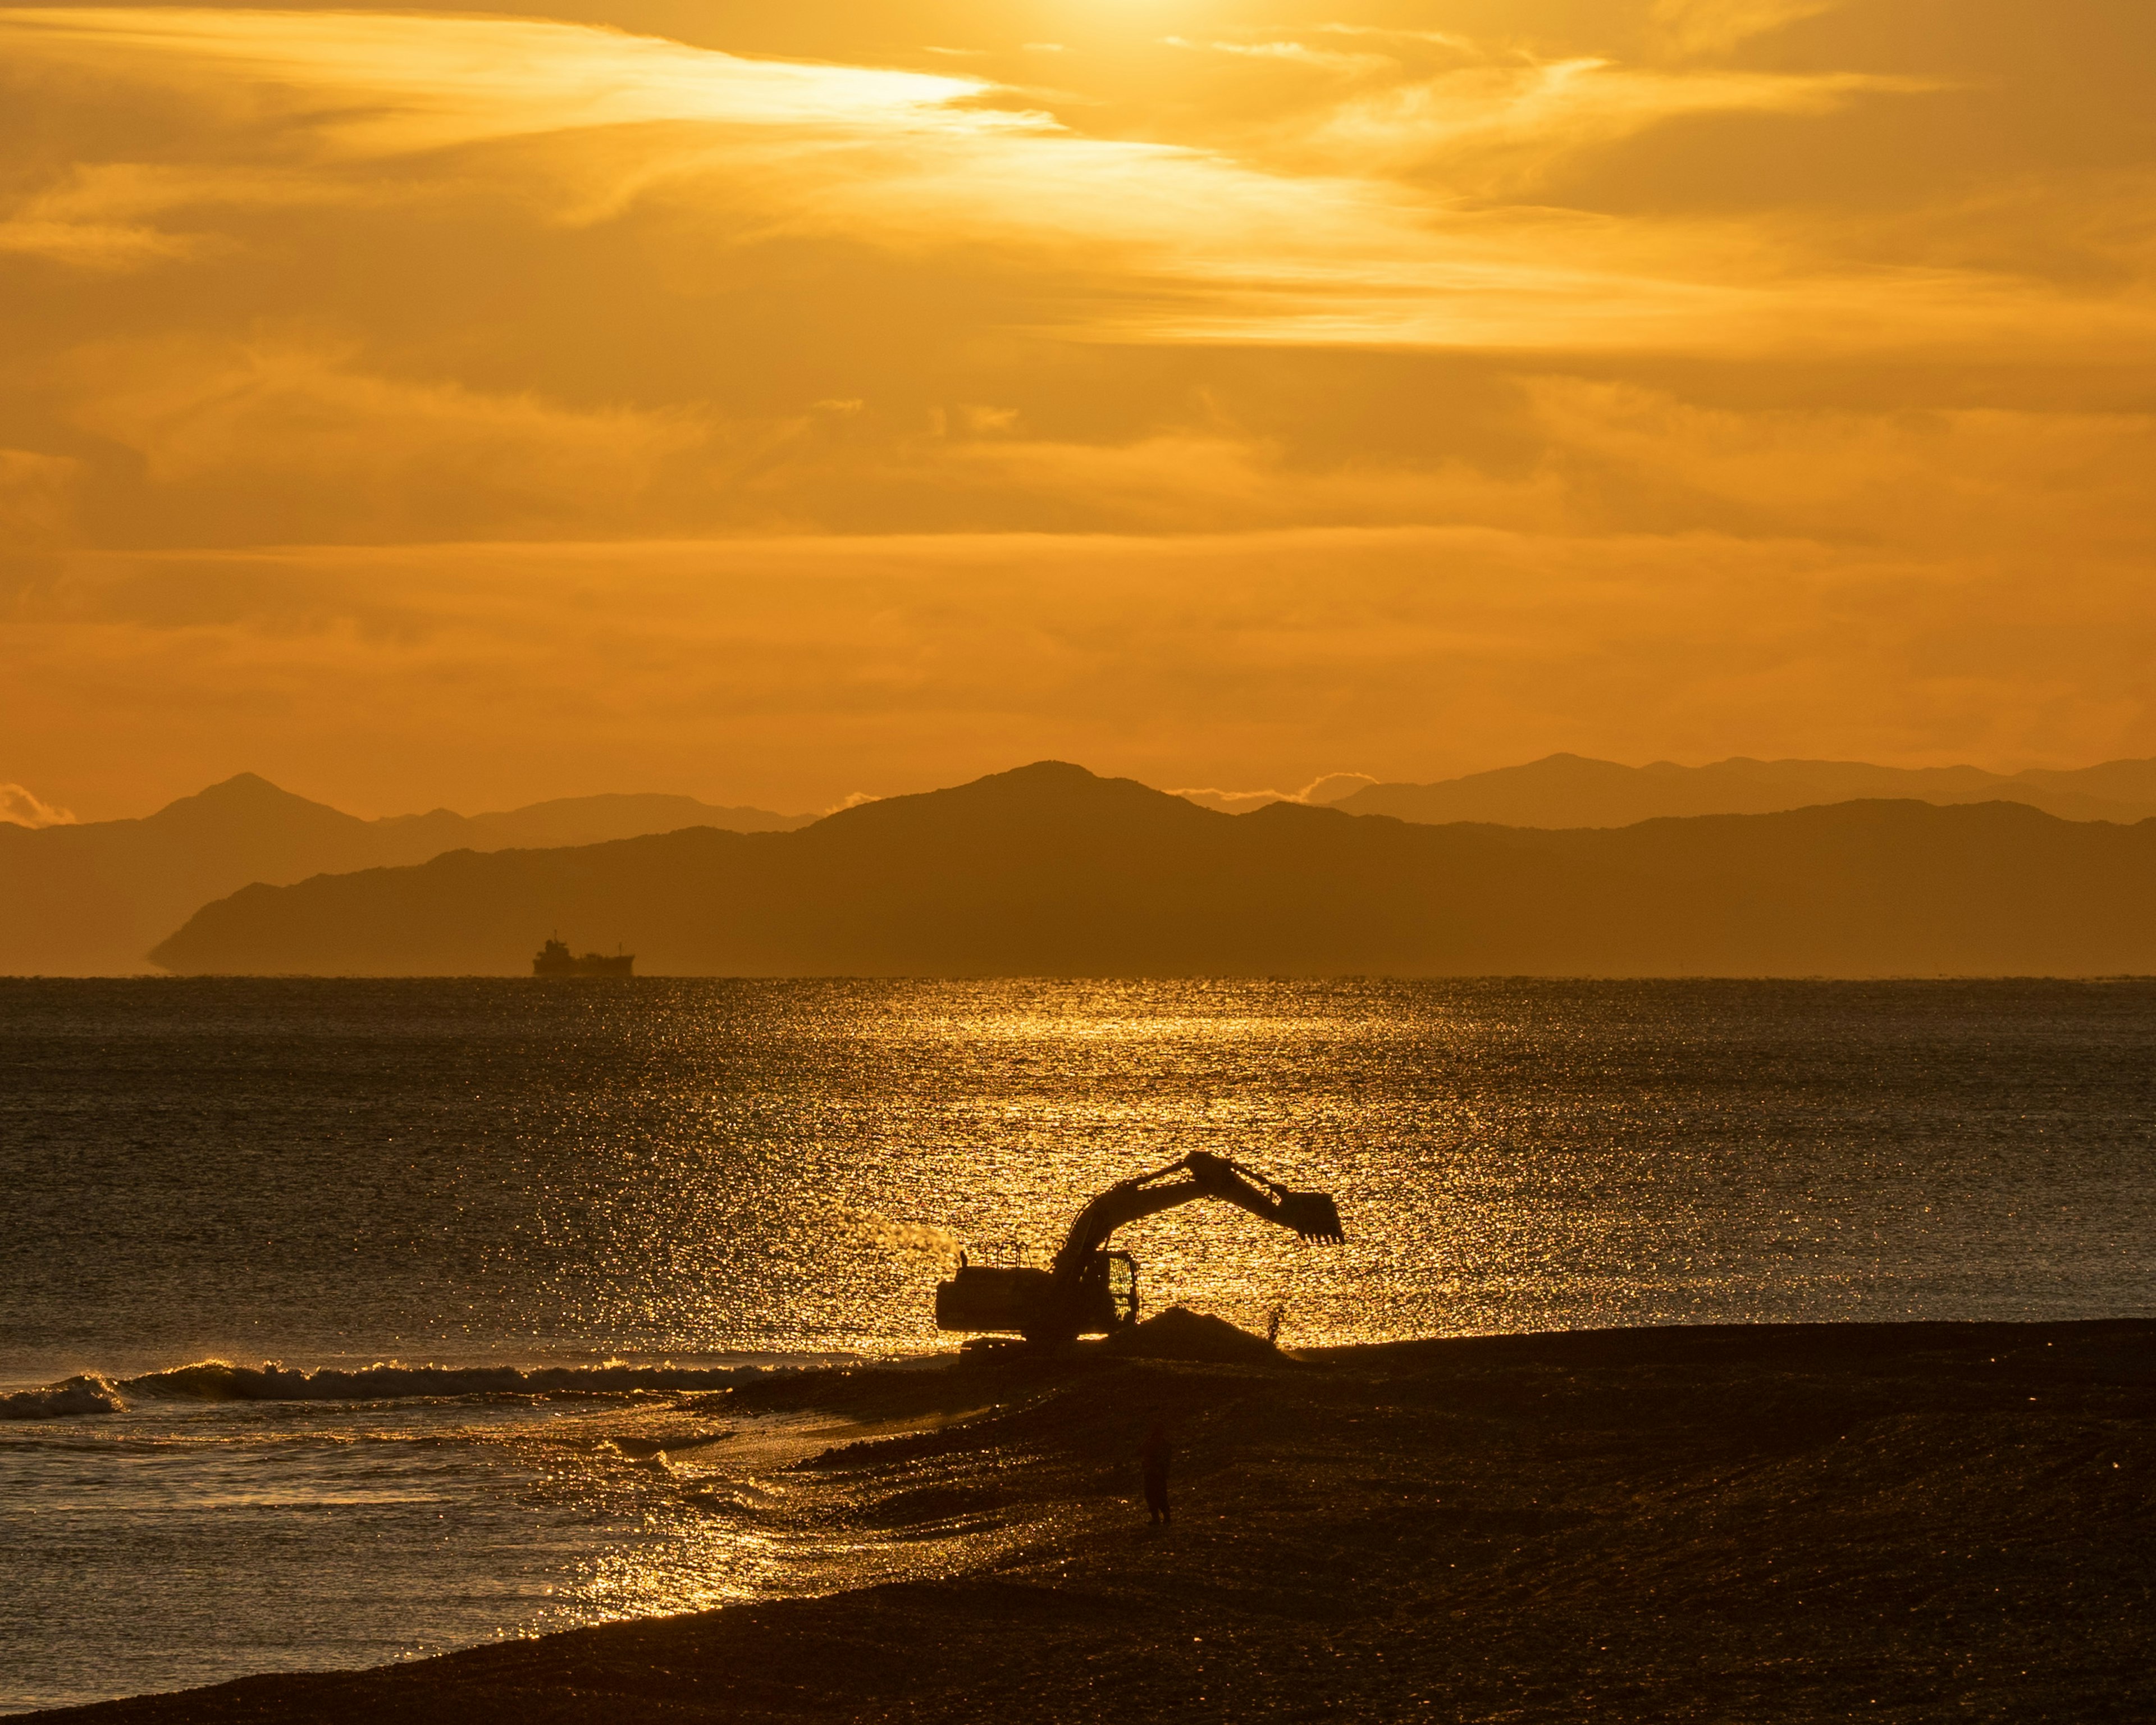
x,y
554,959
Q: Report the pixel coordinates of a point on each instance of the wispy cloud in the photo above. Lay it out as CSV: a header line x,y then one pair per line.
x,y
21,807
390,83
1717,26
296,440
92,245
37,495
1328,235
1327,787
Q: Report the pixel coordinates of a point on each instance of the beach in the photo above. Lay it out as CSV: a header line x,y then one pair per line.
x,y
1785,1522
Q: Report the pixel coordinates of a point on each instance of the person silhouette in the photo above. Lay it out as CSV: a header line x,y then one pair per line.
x,y
1153,1459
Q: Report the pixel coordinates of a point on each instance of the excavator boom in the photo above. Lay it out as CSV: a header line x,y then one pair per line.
x,y
1090,1290
1312,1214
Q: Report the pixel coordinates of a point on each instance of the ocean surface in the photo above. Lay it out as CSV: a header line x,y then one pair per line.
x,y
586,1204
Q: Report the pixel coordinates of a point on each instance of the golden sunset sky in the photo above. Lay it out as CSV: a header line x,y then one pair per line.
x,y
773,401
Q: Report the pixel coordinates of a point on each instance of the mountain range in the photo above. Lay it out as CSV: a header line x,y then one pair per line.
x,y
1049,870
90,899
1575,791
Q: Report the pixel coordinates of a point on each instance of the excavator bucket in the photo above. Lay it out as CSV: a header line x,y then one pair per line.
x,y
1313,1215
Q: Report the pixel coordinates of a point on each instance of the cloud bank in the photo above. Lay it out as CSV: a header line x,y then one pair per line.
x,y
1825,333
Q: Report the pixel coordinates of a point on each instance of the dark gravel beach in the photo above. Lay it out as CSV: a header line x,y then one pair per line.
x,y
1793,1522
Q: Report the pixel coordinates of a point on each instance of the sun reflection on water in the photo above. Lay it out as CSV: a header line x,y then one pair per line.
x,y
1505,1156
481,1171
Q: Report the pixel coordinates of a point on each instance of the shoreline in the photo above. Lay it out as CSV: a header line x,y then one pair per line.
x,y
1766,1522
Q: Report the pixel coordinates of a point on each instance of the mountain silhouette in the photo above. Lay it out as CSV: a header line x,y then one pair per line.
x,y
1575,791
1049,870
90,899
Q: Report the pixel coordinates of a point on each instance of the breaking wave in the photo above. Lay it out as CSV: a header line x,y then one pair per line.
x,y
88,1393
217,1380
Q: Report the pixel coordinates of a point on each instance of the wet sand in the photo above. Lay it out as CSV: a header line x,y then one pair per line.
x,y
1802,1522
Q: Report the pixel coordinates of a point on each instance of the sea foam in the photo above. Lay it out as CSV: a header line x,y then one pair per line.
x,y
216,1380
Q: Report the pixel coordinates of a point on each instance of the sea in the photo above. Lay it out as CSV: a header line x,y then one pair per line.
x,y
328,1309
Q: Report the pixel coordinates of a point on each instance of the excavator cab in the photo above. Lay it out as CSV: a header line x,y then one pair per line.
x,y
1122,1274
1013,1298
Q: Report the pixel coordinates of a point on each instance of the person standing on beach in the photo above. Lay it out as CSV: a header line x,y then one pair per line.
x,y
1154,1458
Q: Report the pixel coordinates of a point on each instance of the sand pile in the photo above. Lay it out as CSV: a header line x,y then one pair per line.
x,y
1180,1333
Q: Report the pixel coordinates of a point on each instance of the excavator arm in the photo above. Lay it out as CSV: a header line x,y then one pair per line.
x,y
1310,1215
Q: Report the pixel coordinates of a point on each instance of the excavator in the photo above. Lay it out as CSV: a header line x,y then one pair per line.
x,y
1089,1290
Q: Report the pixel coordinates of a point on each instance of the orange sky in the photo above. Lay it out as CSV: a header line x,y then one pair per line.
x,y
777,401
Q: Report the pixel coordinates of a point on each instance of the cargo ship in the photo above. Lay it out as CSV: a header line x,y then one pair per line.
x,y
554,959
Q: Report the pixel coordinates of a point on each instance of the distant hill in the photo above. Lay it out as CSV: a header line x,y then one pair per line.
x,y
90,899
1049,870
1572,791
